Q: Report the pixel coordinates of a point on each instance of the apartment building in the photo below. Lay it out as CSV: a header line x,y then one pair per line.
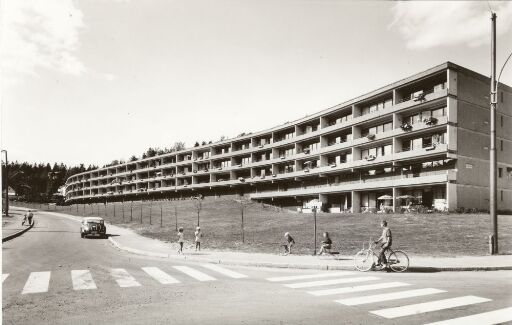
x,y
421,141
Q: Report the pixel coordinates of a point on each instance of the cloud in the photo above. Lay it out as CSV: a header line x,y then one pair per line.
x,y
40,34
427,24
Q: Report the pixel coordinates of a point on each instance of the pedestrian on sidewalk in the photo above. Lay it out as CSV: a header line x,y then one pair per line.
x,y
180,240
198,235
289,243
27,218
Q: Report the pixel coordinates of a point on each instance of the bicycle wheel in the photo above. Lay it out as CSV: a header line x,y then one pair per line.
x,y
398,261
364,260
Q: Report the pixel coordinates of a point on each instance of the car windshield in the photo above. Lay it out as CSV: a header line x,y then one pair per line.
x,y
94,222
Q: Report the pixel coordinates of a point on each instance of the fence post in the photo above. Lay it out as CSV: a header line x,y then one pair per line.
x,y
114,203
140,210
161,216
131,210
150,207
122,208
176,216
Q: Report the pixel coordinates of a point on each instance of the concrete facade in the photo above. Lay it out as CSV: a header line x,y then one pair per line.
x,y
420,142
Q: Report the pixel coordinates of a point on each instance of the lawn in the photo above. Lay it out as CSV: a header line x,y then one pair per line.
x,y
264,227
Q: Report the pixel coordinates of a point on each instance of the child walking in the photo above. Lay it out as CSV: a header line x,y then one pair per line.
x,y
180,240
198,235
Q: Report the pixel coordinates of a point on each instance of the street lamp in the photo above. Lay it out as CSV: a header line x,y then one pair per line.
x,y
6,184
492,149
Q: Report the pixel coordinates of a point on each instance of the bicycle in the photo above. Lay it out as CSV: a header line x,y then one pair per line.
x,y
366,259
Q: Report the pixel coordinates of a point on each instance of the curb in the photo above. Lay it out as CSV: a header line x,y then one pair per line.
x,y
412,269
19,233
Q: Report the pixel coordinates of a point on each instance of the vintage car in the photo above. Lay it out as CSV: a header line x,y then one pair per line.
x,y
94,226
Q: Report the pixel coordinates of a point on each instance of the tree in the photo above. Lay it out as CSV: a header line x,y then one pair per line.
x,y
196,144
243,202
179,145
198,205
133,158
203,143
151,152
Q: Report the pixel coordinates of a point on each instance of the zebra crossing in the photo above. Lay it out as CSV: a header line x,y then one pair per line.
x,y
39,282
371,289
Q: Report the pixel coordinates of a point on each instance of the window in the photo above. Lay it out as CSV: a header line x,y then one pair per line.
x,y
387,127
387,150
501,145
365,110
417,143
501,195
438,112
501,119
469,166
500,172
501,97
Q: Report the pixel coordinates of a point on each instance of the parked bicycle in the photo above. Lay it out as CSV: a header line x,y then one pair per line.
x,y
366,259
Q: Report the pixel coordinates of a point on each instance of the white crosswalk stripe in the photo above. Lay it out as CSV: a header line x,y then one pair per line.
x,y
310,276
194,273
492,317
224,271
123,278
82,280
330,282
388,296
368,287
428,306
160,275
4,276
37,282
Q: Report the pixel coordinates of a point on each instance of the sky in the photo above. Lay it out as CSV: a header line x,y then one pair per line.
x,y
91,81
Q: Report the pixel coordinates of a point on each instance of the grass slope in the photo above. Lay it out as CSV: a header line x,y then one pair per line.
x,y
220,220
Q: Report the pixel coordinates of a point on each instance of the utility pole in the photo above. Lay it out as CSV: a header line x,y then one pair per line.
x,y
6,184
314,218
492,158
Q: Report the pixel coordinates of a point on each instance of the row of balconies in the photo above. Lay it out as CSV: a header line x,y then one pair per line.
x,y
431,177
405,128
304,131
310,170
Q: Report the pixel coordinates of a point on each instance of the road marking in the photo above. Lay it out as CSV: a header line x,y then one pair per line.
x,y
429,306
194,273
492,317
310,276
82,280
124,279
329,282
388,296
4,276
221,270
368,287
37,282
160,275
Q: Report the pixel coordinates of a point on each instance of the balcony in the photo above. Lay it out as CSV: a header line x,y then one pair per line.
x,y
428,177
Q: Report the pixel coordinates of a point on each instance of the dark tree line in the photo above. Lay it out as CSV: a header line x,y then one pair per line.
x,y
37,182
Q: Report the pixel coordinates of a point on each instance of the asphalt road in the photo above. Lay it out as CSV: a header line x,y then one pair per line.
x,y
55,277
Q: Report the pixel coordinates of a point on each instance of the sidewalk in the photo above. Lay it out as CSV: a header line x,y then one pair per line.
x,y
128,240
12,224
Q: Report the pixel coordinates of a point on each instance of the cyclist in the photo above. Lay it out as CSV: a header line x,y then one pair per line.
x,y
387,240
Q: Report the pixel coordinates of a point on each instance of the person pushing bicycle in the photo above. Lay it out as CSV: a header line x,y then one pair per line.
x,y
387,240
